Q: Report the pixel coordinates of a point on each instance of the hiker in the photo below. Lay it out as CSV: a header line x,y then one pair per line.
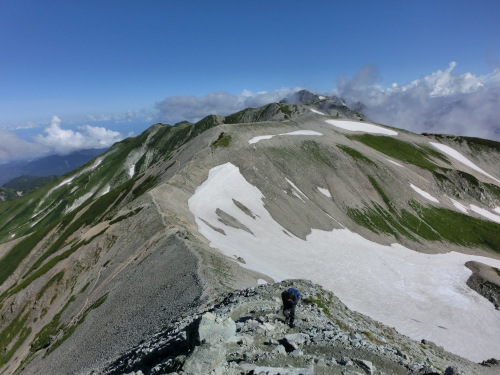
x,y
290,299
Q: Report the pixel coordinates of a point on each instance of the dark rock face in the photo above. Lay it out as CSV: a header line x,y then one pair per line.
x,y
492,362
488,290
244,333
486,281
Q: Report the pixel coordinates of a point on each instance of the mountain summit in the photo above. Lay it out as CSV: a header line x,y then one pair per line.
x,y
157,228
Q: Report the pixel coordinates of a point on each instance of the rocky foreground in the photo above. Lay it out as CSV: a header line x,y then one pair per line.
x,y
244,333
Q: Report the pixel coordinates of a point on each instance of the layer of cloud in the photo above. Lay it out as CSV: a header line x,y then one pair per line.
x,y
64,141
193,108
129,116
442,102
13,148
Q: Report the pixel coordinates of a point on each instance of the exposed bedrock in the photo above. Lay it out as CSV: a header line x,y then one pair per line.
x,y
244,333
486,281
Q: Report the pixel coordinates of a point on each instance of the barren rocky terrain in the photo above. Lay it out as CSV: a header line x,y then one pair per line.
x,y
113,253
243,332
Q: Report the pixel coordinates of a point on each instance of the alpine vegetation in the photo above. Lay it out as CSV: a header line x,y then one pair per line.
x,y
121,265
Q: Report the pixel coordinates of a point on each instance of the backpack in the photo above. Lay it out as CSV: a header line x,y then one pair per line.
x,y
295,293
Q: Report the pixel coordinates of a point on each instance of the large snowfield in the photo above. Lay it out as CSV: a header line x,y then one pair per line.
x,y
421,295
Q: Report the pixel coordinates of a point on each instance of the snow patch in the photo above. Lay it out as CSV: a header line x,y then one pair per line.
x,y
393,162
261,282
132,159
478,210
78,202
325,192
316,111
297,132
96,163
459,205
412,291
106,190
297,191
131,171
424,194
45,213
361,126
259,138
485,213
458,156
65,182
303,132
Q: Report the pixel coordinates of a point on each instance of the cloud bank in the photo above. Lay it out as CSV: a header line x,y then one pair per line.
x,y
442,102
64,141
56,141
12,147
193,108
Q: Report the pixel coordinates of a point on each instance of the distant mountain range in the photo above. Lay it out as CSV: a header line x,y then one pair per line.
x,y
104,260
53,165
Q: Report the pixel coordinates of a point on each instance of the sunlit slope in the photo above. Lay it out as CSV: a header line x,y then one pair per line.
x,y
74,252
396,187
67,243
328,201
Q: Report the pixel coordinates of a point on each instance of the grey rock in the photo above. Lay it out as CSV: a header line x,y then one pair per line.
x,y
491,362
366,366
246,367
296,353
204,359
452,370
241,340
213,330
258,348
296,339
345,361
283,371
280,349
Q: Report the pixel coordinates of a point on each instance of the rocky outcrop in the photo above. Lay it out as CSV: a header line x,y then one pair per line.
x,y
302,97
486,281
244,333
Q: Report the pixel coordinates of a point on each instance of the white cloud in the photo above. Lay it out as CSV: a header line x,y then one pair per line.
x,y
14,148
64,141
441,102
193,108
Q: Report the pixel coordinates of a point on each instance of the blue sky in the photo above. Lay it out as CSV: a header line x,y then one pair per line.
x,y
119,64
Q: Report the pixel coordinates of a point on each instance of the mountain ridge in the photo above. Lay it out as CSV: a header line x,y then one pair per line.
x,y
70,254
244,332
47,165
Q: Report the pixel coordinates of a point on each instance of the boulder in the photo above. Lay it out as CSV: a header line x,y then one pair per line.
x,y
367,366
296,339
204,359
212,329
280,349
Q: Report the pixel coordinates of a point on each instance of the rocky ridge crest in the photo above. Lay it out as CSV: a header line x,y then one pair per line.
x,y
243,332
